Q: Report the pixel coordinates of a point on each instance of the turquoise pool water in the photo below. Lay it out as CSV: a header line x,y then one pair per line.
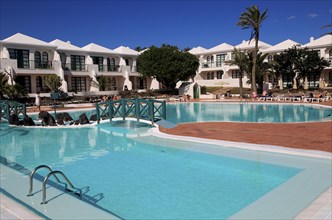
x,y
249,112
137,176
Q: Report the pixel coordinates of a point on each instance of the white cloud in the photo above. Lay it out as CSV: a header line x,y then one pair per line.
x,y
291,17
312,15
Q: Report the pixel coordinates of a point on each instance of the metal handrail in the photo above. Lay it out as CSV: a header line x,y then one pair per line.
x,y
139,108
31,177
67,180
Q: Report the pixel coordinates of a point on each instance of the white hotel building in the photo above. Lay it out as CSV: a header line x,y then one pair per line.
x,y
29,59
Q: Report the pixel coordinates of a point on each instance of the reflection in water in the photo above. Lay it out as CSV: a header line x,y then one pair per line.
x,y
193,112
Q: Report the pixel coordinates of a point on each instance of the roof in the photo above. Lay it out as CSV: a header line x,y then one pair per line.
x,y
198,50
246,45
26,40
126,51
326,40
97,48
221,47
65,45
282,46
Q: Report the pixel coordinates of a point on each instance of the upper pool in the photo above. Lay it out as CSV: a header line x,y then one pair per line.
x,y
235,112
248,112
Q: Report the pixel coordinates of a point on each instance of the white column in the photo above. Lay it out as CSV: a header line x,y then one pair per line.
x,y
154,84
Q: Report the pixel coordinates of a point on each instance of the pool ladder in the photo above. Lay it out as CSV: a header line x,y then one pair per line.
x,y
77,191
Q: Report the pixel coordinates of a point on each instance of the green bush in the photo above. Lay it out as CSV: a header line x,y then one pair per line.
x,y
212,89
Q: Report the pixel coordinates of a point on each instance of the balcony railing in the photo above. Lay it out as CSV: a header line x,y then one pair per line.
x,y
133,69
211,65
75,67
111,68
33,64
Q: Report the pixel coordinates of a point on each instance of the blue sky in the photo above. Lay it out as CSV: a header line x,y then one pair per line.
x,y
182,23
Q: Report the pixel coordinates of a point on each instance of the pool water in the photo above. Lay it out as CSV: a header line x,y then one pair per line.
x,y
125,170
137,176
247,112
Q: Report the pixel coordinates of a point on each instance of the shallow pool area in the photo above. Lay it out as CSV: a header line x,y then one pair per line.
x,y
133,174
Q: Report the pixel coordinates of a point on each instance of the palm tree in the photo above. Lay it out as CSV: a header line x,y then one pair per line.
x,y
3,84
240,59
103,82
252,18
53,82
263,69
327,26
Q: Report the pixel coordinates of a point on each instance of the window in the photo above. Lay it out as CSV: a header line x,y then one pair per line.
x,y
236,74
78,84
22,57
287,80
270,58
77,63
37,59
25,82
127,62
220,59
330,57
45,60
313,80
98,61
208,59
232,56
219,74
210,75
39,84
111,64
141,83
113,83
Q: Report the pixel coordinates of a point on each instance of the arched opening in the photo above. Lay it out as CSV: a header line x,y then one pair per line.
x,y
39,84
37,59
45,60
113,83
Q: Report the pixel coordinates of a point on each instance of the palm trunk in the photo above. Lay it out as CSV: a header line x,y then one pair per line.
x,y
253,72
241,84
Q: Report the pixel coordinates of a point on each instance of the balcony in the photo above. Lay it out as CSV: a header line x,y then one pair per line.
x,y
33,64
110,68
75,67
211,65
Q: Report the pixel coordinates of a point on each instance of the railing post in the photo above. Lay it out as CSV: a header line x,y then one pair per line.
x,y
97,113
151,111
123,108
7,109
137,109
164,109
111,110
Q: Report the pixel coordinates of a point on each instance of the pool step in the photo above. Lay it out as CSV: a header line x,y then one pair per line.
x,y
165,124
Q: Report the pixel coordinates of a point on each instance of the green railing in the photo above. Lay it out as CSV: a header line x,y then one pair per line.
x,y
148,109
9,107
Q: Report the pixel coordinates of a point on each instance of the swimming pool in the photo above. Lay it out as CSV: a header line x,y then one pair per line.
x,y
140,176
245,112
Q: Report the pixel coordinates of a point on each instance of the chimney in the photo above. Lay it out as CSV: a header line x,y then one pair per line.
x,y
312,39
68,42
